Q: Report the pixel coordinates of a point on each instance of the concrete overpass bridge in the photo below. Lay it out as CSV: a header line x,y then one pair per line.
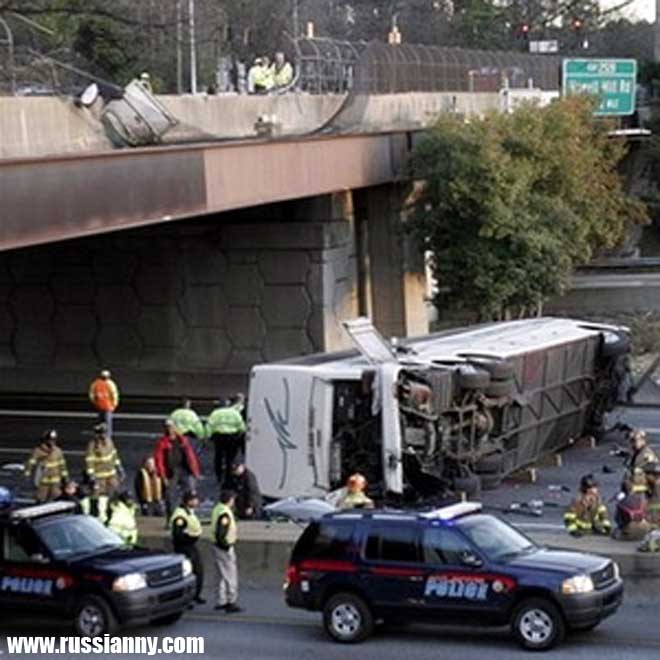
x,y
182,265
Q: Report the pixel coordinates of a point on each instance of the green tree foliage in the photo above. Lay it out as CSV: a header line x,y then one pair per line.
x,y
106,47
512,203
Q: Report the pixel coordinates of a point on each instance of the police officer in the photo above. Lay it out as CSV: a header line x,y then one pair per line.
x,y
587,514
355,497
640,455
48,466
95,504
226,428
186,531
121,519
225,533
102,463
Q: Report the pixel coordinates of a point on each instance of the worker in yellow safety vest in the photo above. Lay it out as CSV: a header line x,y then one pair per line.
x,y
121,518
225,534
281,71
186,532
102,463
47,468
95,504
149,489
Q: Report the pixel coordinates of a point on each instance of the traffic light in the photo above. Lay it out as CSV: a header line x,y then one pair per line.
x,y
524,30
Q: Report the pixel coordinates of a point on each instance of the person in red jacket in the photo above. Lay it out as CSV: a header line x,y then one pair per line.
x,y
176,464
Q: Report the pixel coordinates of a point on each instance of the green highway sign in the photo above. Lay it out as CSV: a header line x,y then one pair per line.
x,y
612,81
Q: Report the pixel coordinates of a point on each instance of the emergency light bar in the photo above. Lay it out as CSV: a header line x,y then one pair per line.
x,y
42,510
453,511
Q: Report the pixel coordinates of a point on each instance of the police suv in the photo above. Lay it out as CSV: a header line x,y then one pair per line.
x,y
58,563
452,565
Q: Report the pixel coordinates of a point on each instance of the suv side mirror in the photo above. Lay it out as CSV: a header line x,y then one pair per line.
x,y
470,559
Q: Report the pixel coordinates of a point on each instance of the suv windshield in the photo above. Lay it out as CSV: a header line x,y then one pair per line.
x,y
76,535
495,538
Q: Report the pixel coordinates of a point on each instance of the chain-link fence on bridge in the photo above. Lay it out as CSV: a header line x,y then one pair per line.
x,y
331,66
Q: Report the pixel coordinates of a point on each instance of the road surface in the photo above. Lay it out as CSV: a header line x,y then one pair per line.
x,y
268,630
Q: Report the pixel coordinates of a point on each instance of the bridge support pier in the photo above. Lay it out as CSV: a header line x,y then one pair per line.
x,y
396,276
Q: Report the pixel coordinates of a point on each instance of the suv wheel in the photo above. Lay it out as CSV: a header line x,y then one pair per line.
x,y
538,625
347,618
94,617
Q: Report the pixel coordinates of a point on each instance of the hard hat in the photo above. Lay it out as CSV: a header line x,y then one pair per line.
x,y
587,482
51,434
356,482
144,75
258,60
6,497
105,373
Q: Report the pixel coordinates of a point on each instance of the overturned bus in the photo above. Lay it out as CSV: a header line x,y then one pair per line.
x,y
452,411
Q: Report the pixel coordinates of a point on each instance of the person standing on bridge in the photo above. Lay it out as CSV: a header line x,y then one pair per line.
x,y
226,428
104,395
102,463
177,465
47,467
189,424
281,71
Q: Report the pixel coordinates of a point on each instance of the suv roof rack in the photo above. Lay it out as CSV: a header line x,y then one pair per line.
x,y
453,511
40,510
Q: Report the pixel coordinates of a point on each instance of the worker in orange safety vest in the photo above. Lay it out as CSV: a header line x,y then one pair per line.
x,y
104,395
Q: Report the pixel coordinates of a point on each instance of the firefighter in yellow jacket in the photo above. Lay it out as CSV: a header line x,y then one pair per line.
x,y
640,455
587,514
47,468
102,463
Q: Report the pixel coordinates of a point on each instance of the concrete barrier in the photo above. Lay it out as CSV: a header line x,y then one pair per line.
x,y
264,550
45,126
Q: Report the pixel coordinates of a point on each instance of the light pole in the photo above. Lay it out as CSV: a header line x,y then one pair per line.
x,y
179,46
193,49
296,19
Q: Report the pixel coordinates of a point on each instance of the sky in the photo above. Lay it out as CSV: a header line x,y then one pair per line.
x,y
640,8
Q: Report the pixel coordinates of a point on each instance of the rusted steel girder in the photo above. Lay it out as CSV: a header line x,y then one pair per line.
x,y
58,198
